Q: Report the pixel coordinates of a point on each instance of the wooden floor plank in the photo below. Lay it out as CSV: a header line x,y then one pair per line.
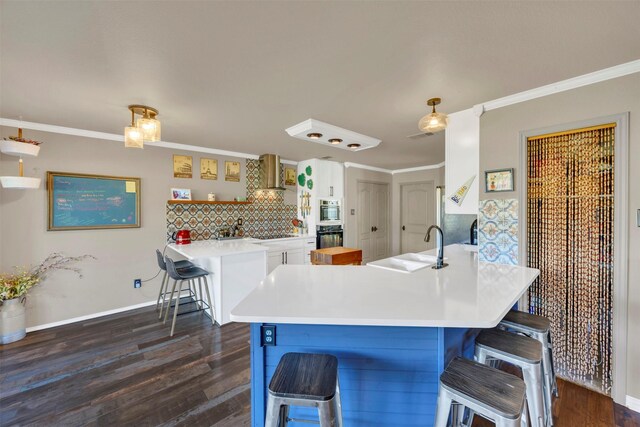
x,y
125,370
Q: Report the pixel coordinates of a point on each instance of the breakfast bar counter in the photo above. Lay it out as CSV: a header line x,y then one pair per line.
x,y
393,332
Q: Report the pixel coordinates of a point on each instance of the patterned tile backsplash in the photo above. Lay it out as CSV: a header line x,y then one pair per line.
x,y
266,215
498,231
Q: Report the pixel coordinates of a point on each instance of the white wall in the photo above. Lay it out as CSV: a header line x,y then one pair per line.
x,y
123,254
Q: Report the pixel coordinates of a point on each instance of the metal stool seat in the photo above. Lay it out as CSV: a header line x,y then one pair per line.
x,y
165,280
494,394
303,379
539,328
190,275
523,352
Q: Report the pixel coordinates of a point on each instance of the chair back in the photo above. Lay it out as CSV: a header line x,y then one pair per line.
x,y
161,262
171,269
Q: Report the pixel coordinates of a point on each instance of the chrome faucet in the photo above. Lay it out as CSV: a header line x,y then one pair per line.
x,y
440,262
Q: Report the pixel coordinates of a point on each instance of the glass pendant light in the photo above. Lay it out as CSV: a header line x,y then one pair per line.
x,y
433,122
146,128
133,135
149,125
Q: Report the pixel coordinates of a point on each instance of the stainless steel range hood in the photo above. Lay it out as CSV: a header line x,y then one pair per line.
x,y
270,172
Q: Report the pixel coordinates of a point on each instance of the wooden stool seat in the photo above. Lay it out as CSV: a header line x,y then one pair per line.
x,y
494,390
305,376
511,345
531,321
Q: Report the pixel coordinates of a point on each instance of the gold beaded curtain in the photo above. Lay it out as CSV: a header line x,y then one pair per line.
x,y
570,239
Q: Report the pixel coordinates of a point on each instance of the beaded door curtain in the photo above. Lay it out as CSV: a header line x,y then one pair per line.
x,y
570,239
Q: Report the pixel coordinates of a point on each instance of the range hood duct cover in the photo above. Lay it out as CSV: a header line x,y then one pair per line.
x,y
270,171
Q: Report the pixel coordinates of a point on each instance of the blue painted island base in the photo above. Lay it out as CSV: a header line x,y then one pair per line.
x,y
388,375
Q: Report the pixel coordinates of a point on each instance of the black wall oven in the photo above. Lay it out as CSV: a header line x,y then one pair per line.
x,y
328,236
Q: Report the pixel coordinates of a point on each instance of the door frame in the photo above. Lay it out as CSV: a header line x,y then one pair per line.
x,y
431,183
357,219
620,234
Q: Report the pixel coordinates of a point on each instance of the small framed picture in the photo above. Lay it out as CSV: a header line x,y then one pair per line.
x,y
232,171
498,180
289,176
180,194
182,166
208,169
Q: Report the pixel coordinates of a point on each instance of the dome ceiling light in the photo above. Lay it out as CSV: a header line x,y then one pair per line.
x,y
312,130
434,121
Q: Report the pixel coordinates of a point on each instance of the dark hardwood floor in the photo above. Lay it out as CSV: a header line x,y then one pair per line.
x,y
125,370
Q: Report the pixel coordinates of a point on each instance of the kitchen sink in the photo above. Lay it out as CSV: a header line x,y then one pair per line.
x,y
230,238
401,265
423,258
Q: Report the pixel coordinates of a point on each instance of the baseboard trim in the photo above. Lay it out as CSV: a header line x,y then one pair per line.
x,y
89,316
633,403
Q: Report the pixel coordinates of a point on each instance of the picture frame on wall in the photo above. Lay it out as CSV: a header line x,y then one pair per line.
x,y
289,176
180,194
232,171
182,166
498,180
208,169
89,202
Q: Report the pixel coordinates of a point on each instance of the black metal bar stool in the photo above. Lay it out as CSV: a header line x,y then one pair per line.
x,y
304,379
521,351
190,275
539,328
486,391
165,280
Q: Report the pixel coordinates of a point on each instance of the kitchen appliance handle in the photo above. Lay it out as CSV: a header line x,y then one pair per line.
x,y
286,257
282,254
331,191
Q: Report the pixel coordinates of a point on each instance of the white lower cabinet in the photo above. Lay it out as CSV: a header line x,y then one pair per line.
x,y
283,252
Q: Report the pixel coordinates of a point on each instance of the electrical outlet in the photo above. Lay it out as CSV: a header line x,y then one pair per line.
x,y
239,221
137,283
268,335
353,211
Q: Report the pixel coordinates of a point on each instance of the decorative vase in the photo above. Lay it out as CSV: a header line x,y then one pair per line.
x,y
12,320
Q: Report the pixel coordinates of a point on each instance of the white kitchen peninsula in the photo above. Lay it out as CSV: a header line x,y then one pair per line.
x,y
236,267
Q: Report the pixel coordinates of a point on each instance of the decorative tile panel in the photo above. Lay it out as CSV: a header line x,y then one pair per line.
x,y
266,215
498,231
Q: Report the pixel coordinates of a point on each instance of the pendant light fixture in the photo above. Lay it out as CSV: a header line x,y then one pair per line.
x,y
433,122
146,128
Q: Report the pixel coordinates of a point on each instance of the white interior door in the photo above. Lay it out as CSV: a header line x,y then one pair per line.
x,y
373,219
417,214
365,227
380,213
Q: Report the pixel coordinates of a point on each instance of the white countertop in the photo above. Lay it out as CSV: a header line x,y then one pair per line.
x,y
467,293
216,248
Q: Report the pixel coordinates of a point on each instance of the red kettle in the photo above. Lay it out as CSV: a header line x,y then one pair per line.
x,y
182,237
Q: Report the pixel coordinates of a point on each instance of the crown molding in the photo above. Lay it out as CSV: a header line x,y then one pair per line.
x,y
419,168
562,86
120,138
392,171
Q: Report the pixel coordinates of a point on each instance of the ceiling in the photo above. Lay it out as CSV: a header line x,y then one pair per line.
x,y
234,75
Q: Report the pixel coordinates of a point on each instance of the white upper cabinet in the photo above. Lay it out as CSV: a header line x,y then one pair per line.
x,y
462,162
330,179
